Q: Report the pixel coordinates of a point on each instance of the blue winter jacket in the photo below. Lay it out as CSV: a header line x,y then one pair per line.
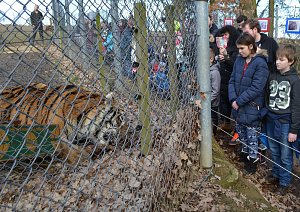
x,y
108,43
248,90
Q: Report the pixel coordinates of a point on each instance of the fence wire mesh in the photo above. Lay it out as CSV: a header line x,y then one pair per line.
x,y
96,109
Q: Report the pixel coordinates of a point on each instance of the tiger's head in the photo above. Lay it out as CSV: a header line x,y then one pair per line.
x,y
105,124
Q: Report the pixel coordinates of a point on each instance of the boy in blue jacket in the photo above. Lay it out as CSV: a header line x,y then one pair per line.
x,y
246,94
283,117
160,82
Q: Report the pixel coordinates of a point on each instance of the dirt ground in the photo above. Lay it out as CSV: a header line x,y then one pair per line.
x,y
290,200
20,65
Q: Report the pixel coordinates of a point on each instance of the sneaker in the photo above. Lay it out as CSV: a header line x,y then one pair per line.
x,y
251,165
235,140
270,179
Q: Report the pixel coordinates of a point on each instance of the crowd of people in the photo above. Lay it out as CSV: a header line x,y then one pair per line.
x,y
158,62
254,82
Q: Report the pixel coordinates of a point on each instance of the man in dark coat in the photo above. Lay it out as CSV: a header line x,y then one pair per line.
x,y
262,41
36,18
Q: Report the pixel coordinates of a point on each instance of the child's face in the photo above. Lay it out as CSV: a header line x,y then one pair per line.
x,y
211,60
226,35
244,50
282,64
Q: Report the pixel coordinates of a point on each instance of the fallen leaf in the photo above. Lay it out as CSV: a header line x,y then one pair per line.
x,y
183,156
134,183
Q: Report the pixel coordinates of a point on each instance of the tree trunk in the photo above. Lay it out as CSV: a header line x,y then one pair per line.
x,y
249,8
271,15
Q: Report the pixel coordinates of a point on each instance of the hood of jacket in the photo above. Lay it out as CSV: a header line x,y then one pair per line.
x,y
262,53
214,67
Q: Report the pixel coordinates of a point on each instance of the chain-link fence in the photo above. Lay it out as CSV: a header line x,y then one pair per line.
x,y
96,109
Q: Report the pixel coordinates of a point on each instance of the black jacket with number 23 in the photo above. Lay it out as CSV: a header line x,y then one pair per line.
x,y
284,96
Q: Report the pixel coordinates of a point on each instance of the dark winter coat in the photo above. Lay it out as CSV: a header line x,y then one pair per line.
x,y
213,29
125,43
226,67
36,18
271,46
248,89
285,97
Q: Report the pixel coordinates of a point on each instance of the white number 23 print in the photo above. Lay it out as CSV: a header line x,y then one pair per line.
x,y
280,94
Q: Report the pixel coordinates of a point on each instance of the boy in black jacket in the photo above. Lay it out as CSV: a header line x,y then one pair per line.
x,y
283,118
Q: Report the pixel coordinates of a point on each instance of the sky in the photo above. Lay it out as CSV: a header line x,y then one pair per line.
x,y
293,10
20,10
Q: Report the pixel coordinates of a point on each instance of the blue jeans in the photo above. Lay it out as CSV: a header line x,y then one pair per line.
x,y
282,156
249,138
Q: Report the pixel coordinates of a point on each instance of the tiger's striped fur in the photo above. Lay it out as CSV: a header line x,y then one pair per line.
x,y
78,113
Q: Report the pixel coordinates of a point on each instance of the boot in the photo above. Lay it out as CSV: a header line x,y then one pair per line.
x,y
262,149
270,179
251,165
262,157
226,127
243,157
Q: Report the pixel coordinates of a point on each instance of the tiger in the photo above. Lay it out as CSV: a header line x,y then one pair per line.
x,y
82,117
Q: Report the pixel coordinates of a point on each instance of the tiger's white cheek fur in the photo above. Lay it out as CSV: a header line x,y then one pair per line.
x,y
92,122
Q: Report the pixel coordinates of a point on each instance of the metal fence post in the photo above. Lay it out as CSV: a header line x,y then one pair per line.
x,y
101,57
70,31
60,26
276,23
116,40
83,36
55,19
203,78
143,76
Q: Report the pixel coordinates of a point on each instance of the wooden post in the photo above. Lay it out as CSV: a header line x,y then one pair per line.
x,y
101,58
143,75
271,15
173,72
